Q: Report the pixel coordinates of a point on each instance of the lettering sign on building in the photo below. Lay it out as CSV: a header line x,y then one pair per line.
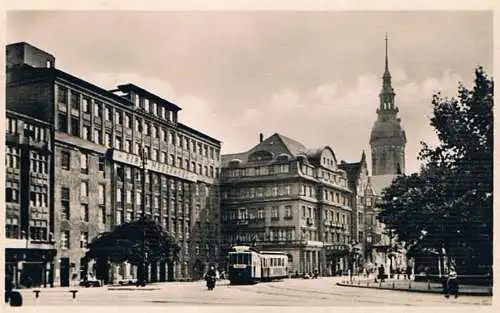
x,y
154,166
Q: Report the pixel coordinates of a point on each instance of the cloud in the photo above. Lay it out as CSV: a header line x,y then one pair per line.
x,y
343,118
196,112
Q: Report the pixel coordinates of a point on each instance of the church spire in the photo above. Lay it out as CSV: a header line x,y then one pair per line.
x,y
387,93
386,57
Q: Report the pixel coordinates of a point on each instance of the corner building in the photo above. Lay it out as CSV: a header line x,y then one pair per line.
x,y
279,195
100,139
29,241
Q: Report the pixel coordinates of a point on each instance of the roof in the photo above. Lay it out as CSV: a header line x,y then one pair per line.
x,y
380,182
131,87
276,144
197,132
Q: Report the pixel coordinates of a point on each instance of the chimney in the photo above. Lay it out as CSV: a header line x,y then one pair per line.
x,y
261,137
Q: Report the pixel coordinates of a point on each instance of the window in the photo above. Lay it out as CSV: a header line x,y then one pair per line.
x,y
86,105
128,196
163,157
107,139
62,94
288,211
128,121
12,193
368,201
118,142
86,132
118,117
65,160
97,136
84,239
260,214
275,212
127,146
119,195
65,203
84,163
154,132
97,109
107,114
84,189
62,122
12,227
119,217
84,212
12,126
65,240
75,101
101,194
101,164
102,216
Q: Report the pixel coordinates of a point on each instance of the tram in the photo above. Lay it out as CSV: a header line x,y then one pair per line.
x,y
247,265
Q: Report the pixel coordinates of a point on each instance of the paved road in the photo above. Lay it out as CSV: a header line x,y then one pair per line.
x,y
293,292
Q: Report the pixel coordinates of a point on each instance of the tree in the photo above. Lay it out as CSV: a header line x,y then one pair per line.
x,y
139,242
450,200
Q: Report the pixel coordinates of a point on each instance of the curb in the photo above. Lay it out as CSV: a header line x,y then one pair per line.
x,y
480,294
132,289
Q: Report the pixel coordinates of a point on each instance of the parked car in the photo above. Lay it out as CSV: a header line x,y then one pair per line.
x,y
90,281
128,281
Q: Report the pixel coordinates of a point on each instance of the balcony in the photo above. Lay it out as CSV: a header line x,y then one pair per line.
x,y
242,222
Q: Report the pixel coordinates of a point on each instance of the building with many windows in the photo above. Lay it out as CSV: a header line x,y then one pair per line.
x,y
279,195
29,227
104,142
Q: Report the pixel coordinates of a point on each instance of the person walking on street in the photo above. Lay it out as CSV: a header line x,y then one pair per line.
x,y
381,272
451,284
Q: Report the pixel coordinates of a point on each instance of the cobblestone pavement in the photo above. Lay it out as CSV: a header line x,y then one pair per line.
x,y
289,292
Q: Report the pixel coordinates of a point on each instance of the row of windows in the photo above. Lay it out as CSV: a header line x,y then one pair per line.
x,y
65,199
328,214
12,156
333,178
65,240
35,133
256,171
143,127
259,192
257,213
79,102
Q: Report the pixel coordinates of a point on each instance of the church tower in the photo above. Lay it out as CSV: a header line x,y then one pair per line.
x,y
388,139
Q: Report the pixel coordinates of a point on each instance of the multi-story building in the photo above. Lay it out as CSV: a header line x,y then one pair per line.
x,y
103,143
358,178
387,141
29,227
279,195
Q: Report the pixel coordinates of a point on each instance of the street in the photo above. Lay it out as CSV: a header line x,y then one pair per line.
x,y
289,292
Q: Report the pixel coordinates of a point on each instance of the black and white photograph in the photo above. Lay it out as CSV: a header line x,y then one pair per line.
x,y
248,158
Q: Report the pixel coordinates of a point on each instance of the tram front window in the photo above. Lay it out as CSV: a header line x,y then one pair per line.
x,y
240,258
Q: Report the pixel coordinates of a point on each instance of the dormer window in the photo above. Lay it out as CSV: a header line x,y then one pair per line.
x,y
48,64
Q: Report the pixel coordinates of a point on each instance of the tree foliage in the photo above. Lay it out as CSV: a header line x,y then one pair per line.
x,y
449,204
135,242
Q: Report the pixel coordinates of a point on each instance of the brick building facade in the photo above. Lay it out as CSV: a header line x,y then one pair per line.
x,y
99,138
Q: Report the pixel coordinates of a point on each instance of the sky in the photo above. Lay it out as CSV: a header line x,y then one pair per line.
x,y
313,76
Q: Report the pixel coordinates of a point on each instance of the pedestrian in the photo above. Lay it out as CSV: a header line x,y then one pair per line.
x,y
408,271
451,285
381,273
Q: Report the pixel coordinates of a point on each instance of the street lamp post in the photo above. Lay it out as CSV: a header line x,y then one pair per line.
x,y
143,155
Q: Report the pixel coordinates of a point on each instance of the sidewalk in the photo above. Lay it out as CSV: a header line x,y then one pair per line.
x,y
413,286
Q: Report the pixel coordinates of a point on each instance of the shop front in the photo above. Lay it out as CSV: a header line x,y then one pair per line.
x,y
30,267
